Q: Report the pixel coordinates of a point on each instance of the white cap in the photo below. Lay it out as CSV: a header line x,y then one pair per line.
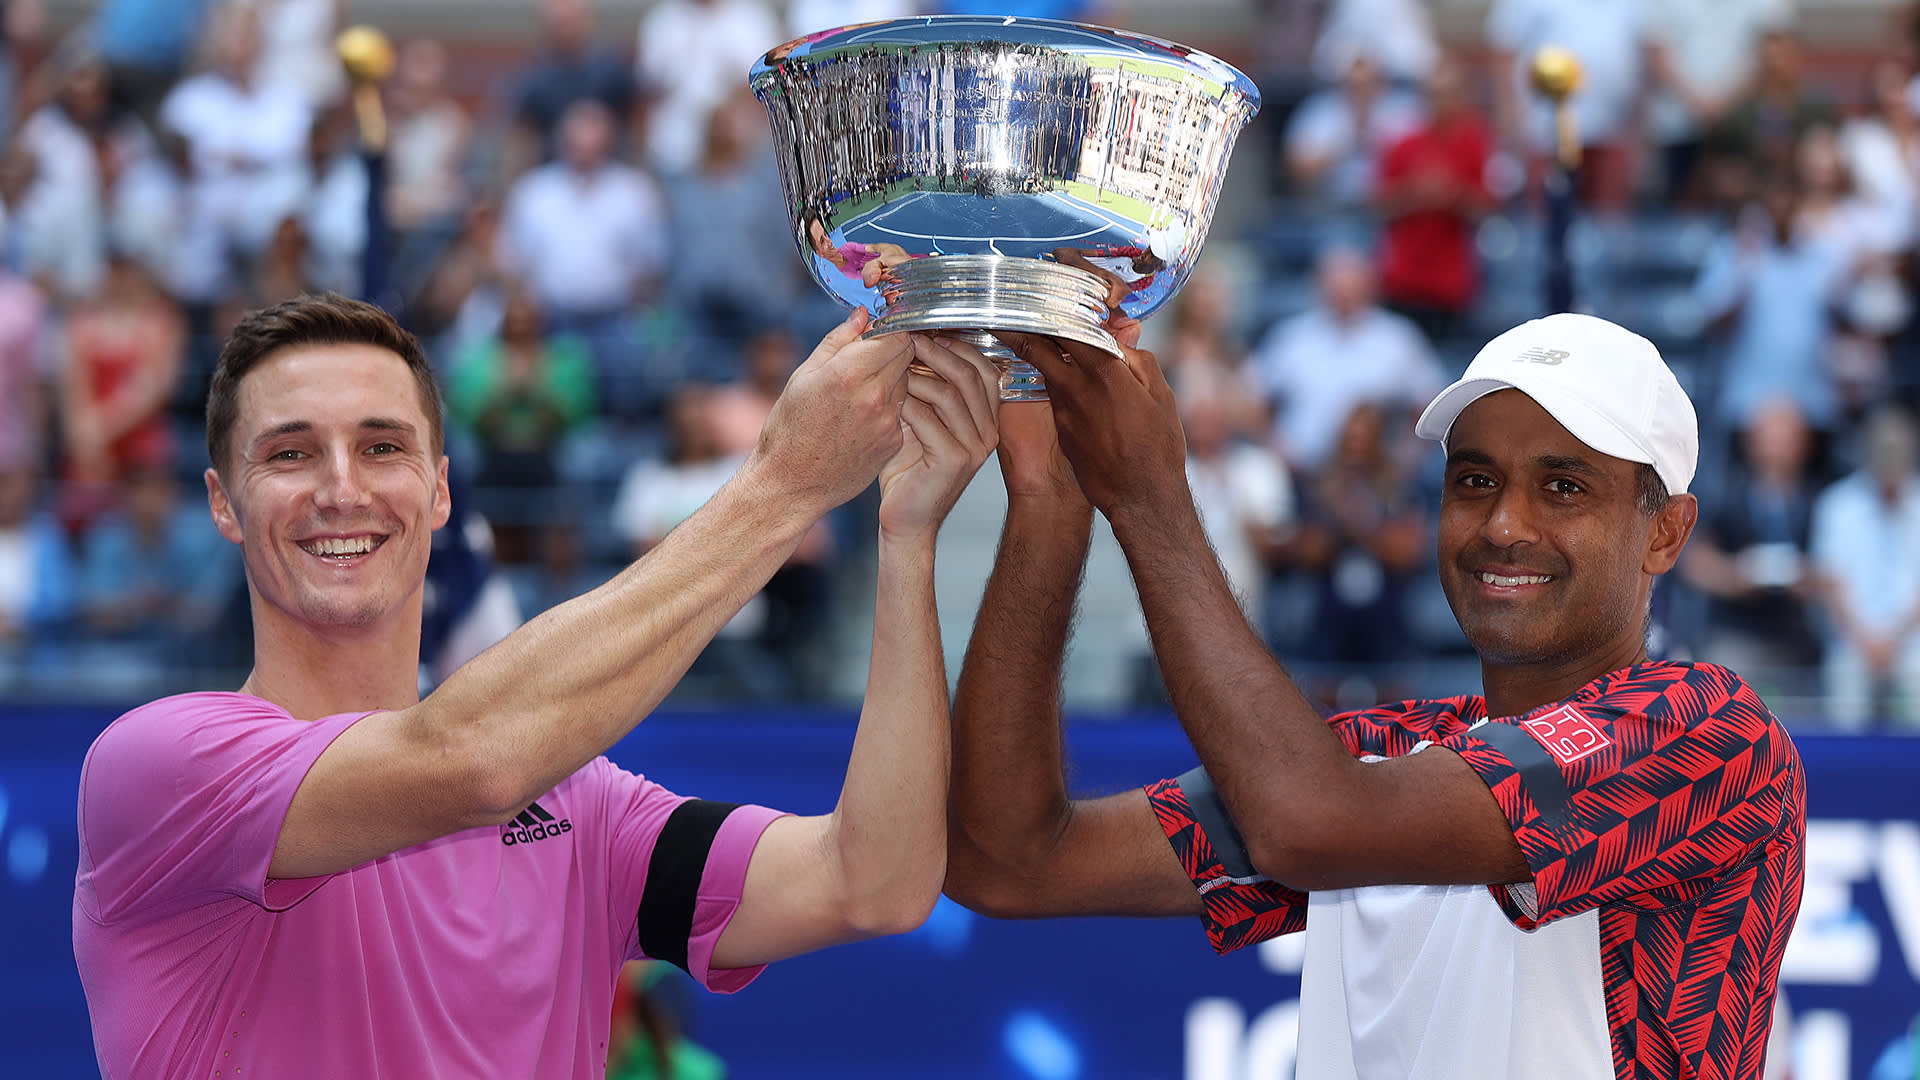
x,y
1604,383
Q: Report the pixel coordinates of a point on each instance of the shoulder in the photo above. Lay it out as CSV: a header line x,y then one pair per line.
x,y
538,181
634,183
1398,329
1297,332
1842,495
153,752
1395,729
1402,111
1696,699
1314,114
172,719
197,88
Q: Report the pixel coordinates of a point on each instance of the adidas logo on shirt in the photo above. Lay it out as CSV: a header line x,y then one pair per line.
x,y
532,824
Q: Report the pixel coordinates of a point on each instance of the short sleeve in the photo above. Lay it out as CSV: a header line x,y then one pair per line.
x,y
1241,907
679,868
1262,488
1827,543
181,803
633,505
1643,797
1316,128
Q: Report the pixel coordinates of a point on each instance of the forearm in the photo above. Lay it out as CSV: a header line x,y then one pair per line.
x,y
1009,802
1269,752
572,682
887,836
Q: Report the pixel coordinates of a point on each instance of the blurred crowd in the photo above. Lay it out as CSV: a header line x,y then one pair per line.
x,y
590,237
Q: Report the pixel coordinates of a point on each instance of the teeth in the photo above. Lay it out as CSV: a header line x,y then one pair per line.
x,y
358,545
1526,579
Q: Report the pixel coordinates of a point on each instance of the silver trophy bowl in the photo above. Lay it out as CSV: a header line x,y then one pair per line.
x,y
967,174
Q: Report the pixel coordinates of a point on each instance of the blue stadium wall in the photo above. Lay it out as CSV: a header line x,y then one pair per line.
x,y
1063,1000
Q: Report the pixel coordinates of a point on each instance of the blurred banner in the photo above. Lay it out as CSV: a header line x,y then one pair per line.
x,y
1064,1000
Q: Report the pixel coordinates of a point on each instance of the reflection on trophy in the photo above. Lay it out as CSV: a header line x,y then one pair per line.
x,y
967,174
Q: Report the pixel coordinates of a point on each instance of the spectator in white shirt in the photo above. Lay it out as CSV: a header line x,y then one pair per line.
x,y
586,232
247,139
1611,39
1866,551
428,144
812,16
62,218
588,236
1398,34
1242,488
1336,137
296,39
1315,367
690,56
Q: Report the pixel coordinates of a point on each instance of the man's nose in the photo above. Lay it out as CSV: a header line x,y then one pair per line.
x,y
1510,520
343,487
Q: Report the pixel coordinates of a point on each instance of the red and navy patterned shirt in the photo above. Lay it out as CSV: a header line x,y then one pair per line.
x,y
1666,796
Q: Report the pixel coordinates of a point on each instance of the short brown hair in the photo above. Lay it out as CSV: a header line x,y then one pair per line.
x,y
310,319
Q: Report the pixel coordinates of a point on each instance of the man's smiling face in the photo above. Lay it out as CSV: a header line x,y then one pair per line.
x,y
1545,552
333,487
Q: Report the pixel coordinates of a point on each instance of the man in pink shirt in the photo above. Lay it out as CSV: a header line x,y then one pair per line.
x,y
322,875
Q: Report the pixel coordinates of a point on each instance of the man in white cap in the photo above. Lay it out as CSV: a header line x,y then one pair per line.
x,y
1590,871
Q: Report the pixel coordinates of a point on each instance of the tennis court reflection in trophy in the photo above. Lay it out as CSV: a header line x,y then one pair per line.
x,y
968,174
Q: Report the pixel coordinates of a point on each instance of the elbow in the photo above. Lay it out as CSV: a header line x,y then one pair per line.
x,y
901,908
1300,857
895,895
490,789
985,887
992,900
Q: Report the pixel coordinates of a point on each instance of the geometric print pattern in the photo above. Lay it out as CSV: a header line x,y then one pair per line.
x,y
1686,830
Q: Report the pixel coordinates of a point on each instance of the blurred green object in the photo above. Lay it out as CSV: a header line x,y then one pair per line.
x,y
685,1061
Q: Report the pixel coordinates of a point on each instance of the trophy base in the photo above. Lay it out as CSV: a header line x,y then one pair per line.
x,y
968,297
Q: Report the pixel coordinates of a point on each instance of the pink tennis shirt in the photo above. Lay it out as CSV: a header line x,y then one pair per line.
x,y
490,952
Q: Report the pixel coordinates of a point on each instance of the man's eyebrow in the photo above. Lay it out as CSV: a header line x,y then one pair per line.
x,y
301,427
386,423
289,427
1469,457
1567,463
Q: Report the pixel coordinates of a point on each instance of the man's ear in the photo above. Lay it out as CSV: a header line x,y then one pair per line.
x,y
442,495
221,507
1667,533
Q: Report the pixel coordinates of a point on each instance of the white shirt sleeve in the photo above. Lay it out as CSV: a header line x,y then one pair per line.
x,y
1262,488
1276,361
650,243
517,225
1827,544
1319,127
1421,376
633,510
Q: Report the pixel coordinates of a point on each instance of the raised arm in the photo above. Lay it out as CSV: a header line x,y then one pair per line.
x,y
554,694
1017,846
874,865
1312,816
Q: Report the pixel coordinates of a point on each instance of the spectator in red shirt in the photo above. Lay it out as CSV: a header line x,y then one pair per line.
x,y
1431,191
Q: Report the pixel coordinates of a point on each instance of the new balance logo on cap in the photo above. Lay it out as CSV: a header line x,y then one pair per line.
x,y
532,824
1539,355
